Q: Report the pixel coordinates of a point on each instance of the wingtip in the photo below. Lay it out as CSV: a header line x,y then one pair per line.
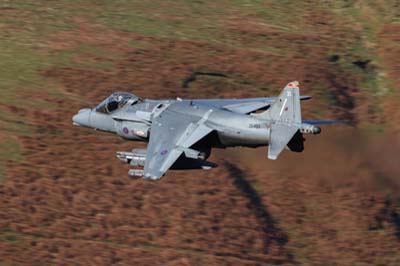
x,y
272,157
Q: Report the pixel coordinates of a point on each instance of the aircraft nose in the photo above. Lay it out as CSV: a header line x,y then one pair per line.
x,y
82,118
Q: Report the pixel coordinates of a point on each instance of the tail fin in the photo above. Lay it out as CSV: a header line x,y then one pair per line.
x,y
279,137
286,107
285,117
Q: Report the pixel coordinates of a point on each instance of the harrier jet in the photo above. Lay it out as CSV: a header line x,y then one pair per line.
x,y
181,133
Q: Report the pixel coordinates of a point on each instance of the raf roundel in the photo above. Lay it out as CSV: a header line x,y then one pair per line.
x,y
125,130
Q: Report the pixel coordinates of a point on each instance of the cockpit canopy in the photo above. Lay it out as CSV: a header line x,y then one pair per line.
x,y
116,101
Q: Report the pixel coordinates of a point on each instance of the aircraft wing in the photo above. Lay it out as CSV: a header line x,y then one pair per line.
x,y
171,135
241,106
246,107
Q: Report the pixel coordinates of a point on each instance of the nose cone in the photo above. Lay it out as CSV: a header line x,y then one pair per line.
x,y
82,118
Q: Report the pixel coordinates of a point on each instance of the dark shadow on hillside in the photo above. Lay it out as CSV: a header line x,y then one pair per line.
x,y
192,77
343,98
271,232
387,214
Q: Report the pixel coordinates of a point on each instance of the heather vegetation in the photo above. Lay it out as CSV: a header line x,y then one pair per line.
x,y
66,200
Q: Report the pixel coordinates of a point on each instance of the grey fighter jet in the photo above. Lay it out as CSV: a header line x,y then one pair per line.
x,y
181,133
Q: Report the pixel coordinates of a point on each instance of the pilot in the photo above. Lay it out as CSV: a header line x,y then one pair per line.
x,y
113,104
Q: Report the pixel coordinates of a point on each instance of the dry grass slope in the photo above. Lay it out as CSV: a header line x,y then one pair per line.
x,y
65,199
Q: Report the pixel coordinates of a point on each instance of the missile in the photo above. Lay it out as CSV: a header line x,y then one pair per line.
x,y
136,157
136,173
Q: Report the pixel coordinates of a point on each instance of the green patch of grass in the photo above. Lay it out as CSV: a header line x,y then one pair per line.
x,y
145,18
194,20
52,90
221,85
371,16
19,66
370,81
140,45
10,150
10,237
81,57
256,187
11,123
24,53
284,15
90,52
2,173
11,127
36,17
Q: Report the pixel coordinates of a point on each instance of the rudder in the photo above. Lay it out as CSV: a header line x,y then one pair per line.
x,y
286,107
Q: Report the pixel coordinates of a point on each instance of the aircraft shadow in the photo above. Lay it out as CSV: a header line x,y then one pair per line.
x,y
271,232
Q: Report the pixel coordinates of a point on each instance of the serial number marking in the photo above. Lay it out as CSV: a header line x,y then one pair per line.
x,y
255,126
258,125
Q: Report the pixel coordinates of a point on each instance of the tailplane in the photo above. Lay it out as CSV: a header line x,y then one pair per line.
x,y
285,123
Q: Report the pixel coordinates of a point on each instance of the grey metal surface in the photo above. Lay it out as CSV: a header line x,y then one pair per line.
x,y
171,133
181,133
